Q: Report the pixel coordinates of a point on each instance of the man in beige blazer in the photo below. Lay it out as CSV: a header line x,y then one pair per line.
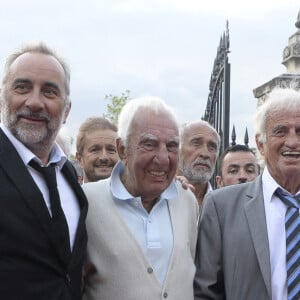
x,y
142,226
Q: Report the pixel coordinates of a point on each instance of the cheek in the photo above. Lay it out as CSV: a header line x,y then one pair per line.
x,y
213,158
56,108
14,102
114,157
174,159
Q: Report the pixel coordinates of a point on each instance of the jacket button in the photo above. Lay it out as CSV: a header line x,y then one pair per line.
x,y
150,270
165,295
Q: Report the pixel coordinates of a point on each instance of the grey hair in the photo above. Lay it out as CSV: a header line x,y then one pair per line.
x,y
280,99
65,141
41,48
90,125
187,126
130,109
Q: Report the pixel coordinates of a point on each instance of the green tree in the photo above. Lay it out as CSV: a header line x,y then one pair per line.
x,y
115,106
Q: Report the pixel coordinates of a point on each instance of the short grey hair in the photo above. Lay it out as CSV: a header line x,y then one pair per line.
x,y
280,99
187,126
41,48
130,109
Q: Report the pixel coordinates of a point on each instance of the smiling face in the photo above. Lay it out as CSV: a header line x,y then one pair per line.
x,y
150,160
99,154
198,153
282,148
34,104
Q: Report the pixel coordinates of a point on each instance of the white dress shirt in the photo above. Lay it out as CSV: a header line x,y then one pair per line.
x,y
275,218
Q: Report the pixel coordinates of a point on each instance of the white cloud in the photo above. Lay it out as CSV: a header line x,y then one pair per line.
x,y
230,8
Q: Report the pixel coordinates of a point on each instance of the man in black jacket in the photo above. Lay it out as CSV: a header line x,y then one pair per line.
x,y
41,254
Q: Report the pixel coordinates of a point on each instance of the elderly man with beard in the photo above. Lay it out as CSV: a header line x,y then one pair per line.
x,y
200,145
42,220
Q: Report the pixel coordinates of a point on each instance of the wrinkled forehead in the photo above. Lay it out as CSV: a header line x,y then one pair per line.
x,y
240,157
199,130
37,67
160,125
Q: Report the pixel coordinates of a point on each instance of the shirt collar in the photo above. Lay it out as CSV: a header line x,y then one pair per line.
x,y
270,185
120,192
209,188
56,156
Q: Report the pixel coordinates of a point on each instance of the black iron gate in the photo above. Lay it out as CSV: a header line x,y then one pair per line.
x,y
217,111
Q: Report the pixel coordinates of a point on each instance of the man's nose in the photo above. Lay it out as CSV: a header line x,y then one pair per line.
x,y
34,101
162,155
103,155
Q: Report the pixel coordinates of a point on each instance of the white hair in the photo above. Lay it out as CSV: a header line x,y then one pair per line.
x,y
280,99
129,110
187,126
65,141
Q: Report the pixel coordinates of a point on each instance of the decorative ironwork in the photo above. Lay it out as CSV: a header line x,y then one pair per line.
x,y
217,111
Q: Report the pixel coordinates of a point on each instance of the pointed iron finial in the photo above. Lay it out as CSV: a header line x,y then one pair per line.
x,y
227,36
246,138
297,24
233,136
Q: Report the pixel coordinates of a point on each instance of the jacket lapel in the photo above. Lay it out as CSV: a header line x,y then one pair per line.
x,y
81,236
255,214
18,173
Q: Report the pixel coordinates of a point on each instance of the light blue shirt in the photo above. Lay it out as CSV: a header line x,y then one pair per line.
x,y
153,231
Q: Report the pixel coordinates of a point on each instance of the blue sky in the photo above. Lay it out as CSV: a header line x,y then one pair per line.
x,y
163,48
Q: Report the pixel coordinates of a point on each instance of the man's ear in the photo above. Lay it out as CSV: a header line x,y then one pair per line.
x,y
121,149
66,113
259,144
78,158
219,181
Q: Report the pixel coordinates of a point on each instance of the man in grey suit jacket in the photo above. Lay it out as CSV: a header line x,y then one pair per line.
x,y
241,250
40,257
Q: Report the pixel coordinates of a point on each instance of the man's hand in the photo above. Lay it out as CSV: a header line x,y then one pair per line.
x,y
185,183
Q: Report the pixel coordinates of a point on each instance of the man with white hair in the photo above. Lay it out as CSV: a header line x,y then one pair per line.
x,y
142,232
200,144
248,241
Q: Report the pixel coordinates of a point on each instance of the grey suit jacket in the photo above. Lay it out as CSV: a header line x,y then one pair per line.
x,y
232,259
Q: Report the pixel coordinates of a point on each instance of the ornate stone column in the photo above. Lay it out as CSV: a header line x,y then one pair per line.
x,y
291,60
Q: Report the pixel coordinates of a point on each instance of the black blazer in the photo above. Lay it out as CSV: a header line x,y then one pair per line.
x,y
31,265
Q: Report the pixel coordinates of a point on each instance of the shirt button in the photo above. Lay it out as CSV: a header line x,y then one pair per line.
x,y
68,278
150,270
165,295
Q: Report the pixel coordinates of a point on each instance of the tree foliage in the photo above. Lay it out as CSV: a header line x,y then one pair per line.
x,y
115,106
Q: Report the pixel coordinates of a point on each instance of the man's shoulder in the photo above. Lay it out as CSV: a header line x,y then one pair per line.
x,y
186,196
96,186
237,192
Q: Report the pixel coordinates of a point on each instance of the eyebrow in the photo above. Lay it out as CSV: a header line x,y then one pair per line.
x,y
238,166
250,165
21,80
51,84
233,166
46,83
